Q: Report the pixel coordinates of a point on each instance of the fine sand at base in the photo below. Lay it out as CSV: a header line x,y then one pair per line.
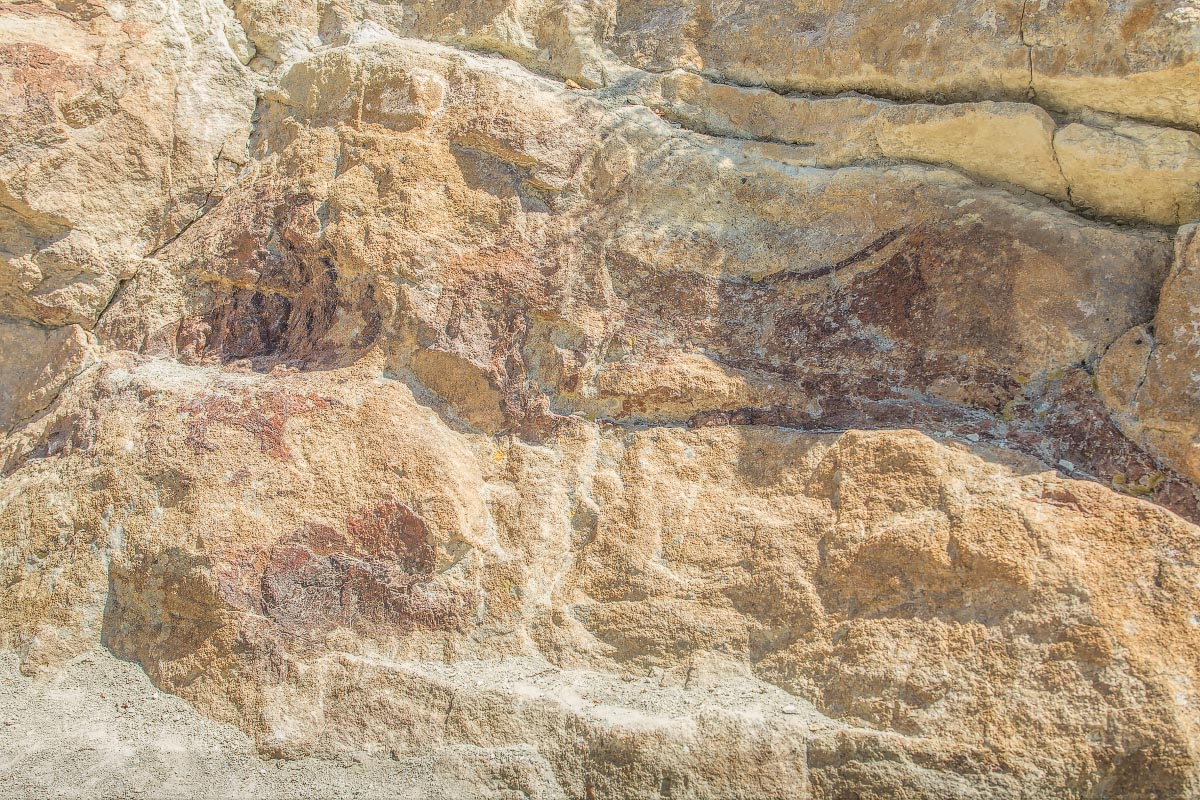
x,y
99,729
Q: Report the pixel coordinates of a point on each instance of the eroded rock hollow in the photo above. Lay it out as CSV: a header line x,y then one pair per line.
x,y
600,399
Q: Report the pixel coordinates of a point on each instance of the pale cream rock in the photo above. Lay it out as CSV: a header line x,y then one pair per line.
x,y
1120,170
1043,52
1007,142
1151,376
37,363
122,133
1132,171
1137,59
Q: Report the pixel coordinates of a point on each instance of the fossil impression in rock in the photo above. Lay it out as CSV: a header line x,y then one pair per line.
x,y
600,399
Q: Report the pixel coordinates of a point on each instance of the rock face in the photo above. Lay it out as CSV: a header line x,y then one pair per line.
x,y
609,399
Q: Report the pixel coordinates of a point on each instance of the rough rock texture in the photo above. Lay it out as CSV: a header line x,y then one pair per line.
x,y
605,399
1150,377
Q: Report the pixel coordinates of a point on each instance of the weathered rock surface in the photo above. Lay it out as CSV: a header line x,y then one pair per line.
x,y
116,127
1151,376
622,412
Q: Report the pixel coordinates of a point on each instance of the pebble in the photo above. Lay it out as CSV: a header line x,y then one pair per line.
x,y
1062,462
791,708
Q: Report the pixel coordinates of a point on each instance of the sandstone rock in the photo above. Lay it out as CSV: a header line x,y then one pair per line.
x,y
40,362
1009,142
1136,59
880,579
570,420
115,131
1149,376
1158,170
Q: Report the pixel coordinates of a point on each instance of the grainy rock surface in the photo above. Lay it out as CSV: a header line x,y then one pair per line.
x,y
600,399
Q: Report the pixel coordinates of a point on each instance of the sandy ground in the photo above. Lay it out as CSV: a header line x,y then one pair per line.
x,y
100,729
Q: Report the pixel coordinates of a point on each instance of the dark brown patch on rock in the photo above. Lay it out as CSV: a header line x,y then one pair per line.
x,y
271,291
899,344
380,571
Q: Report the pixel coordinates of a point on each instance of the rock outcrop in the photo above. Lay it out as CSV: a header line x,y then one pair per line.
x,y
612,398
